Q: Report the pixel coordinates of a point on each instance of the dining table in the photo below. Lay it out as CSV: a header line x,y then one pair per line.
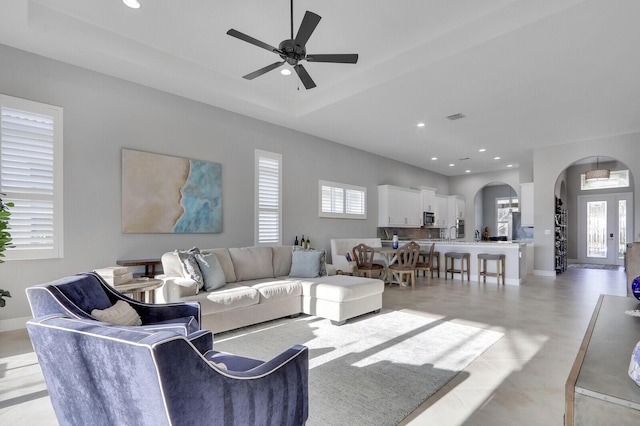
x,y
389,254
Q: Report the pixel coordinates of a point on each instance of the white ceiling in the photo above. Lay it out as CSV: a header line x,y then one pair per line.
x,y
525,73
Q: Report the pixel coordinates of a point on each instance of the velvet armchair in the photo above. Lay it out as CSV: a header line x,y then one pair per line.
x,y
110,375
76,296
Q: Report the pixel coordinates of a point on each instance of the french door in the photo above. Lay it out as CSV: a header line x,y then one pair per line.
x,y
604,227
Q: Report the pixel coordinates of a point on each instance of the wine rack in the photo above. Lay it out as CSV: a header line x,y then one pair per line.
x,y
560,237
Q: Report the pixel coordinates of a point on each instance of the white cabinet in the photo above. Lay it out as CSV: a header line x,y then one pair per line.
x,y
399,207
441,211
526,204
456,205
428,199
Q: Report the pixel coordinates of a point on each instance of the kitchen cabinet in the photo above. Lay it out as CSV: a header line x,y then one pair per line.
x,y
456,205
526,204
399,207
428,199
441,211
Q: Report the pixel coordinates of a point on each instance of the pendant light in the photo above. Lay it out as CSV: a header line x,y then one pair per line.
x,y
597,173
133,4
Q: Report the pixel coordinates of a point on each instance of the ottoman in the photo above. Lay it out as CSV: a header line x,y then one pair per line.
x,y
340,297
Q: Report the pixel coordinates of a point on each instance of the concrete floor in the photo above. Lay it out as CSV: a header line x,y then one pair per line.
x,y
519,380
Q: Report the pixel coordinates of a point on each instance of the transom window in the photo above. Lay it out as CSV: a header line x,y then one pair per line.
x,y
339,200
617,179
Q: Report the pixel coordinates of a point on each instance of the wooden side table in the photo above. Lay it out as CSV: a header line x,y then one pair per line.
x,y
149,265
140,288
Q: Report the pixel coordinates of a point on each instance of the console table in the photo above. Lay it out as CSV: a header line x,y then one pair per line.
x,y
599,390
149,265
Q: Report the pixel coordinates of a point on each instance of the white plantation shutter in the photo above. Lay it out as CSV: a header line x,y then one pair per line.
x,y
268,198
339,200
30,176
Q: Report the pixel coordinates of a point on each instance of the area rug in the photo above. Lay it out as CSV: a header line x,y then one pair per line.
x,y
375,369
594,266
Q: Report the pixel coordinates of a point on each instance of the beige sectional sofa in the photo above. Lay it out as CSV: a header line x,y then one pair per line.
x,y
258,288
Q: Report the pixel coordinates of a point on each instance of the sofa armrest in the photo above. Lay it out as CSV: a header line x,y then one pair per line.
x,y
202,340
174,289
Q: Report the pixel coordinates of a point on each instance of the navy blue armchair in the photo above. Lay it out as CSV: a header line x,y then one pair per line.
x,y
104,374
76,296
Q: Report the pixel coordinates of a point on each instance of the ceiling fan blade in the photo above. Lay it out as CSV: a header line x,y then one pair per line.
x,y
264,70
308,25
347,58
304,77
249,39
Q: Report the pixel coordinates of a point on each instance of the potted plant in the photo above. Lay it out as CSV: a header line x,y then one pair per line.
x,y
5,240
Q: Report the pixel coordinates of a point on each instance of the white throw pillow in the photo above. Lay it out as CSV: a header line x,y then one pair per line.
x,y
121,314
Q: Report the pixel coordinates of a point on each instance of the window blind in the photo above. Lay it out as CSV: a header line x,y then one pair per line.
x,y
28,178
339,200
269,181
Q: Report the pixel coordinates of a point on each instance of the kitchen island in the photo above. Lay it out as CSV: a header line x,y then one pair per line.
x,y
515,252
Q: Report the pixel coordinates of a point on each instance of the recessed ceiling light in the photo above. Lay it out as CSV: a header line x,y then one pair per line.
x,y
509,165
467,171
482,149
285,71
451,165
434,158
133,4
421,124
496,158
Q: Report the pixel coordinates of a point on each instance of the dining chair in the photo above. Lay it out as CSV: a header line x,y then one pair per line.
x,y
407,257
363,256
428,265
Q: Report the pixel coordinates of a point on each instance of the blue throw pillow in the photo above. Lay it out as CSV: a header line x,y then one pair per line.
x,y
305,264
212,273
323,261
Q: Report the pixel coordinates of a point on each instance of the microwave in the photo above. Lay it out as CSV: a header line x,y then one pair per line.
x,y
428,219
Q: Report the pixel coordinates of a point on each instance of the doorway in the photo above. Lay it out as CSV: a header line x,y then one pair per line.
x,y
604,227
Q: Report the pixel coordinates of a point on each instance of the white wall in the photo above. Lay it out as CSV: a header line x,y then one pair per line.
x,y
102,115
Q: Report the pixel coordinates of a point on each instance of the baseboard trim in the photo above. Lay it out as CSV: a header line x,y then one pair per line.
x,y
13,324
544,272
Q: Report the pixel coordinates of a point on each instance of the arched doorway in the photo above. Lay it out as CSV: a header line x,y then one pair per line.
x,y
497,212
598,213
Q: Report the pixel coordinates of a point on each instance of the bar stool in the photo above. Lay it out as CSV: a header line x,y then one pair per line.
x,y
500,267
453,256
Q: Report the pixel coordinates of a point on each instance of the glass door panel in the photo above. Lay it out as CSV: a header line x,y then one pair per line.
x,y
622,228
597,229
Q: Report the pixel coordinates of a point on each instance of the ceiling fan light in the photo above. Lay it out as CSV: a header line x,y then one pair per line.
x,y
285,71
133,4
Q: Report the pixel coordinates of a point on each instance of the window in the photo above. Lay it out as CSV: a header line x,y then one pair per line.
x,y
339,200
31,176
617,179
268,189
505,206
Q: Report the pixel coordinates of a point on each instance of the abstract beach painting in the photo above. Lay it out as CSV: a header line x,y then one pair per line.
x,y
166,194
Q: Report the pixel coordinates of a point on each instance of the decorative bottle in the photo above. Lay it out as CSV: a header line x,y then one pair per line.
x,y
394,240
307,243
295,243
302,242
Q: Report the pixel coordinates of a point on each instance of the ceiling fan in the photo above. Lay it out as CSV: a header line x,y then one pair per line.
x,y
293,50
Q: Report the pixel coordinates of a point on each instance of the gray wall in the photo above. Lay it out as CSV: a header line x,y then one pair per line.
x,y
102,115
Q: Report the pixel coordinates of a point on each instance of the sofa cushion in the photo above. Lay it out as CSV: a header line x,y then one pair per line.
x,y
225,263
121,314
231,296
280,289
341,288
281,260
252,262
212,273
190,268
323,259
306,263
